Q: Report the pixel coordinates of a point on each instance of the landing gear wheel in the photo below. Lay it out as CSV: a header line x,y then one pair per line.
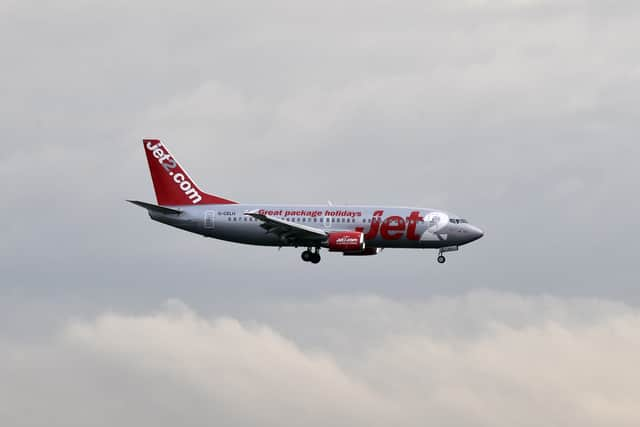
x,y
306,256
441,259
315,258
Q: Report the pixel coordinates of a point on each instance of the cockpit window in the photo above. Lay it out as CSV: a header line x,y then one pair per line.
x,y
458,221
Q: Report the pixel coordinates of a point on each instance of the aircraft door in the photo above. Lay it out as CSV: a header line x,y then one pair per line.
x,y
210,219
327,221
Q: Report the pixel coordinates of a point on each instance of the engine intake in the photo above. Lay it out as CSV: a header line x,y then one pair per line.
x,y
343,241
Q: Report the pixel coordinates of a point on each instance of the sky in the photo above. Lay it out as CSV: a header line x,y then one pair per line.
x,y
519,115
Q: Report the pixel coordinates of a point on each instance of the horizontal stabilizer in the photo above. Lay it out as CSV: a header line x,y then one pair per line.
x,y
155,208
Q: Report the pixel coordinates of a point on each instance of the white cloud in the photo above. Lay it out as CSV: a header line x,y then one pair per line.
x,y
528,361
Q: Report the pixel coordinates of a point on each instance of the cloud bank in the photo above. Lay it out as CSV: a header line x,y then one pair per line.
x,y
520,115
483,359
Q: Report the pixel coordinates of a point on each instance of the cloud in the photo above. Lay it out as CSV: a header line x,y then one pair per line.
x,y
527,361
519,115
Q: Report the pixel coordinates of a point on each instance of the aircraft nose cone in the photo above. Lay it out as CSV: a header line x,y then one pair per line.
x,y
475,233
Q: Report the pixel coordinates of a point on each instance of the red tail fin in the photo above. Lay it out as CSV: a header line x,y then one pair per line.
x,y
173,185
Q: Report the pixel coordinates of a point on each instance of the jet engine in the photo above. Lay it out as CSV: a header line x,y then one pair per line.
x,y
342,241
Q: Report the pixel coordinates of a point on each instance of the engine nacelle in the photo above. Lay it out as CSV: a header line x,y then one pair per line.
x,y
342,241
364,252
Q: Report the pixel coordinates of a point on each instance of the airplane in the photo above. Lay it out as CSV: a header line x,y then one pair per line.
x,y
347,229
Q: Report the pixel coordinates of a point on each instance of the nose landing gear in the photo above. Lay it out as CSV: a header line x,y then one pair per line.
x,y
312,257
441,259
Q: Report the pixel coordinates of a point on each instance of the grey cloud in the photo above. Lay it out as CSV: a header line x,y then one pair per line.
x,y
521,115
564,360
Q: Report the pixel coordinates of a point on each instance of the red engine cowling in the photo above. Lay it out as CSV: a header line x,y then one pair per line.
x,y
342,241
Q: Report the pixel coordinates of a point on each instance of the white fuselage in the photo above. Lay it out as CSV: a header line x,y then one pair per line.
x,y
383,227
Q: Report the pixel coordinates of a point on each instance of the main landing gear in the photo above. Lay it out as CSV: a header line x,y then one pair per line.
x,y
312,257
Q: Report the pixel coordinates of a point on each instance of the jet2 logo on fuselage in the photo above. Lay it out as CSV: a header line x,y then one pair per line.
x,y
392,227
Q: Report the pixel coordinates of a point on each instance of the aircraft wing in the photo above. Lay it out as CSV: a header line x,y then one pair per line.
x,y
289,231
